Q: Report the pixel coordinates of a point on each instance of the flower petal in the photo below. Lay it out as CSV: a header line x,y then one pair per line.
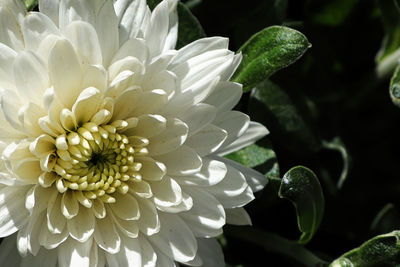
x,y
175,238
167,192
207,140
210,252
83,37
211,173
9,255
65,72
207,216
13,214
87,104
255,132
198,116
130,254
237,216
106,235
125,207
35,27
173,137
182,161
149,222
81,227
30,76
55,219
225,96
74,253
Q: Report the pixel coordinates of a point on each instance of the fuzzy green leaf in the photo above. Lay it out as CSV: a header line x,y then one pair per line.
x,y
387,57
281,114
382,250
189,28
30,4
394,88
268,51
301,186
261,157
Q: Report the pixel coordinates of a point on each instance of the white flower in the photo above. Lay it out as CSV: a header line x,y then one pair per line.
x,y
111,140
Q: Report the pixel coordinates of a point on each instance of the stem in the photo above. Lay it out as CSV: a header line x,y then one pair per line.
x,y
275,244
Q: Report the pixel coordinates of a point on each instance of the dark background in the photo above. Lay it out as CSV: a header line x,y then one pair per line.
x,y
335,86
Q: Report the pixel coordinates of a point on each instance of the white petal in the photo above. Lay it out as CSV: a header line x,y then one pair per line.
x,y
255,132
198,47
149,102
10,31
128,228
149,222
157,31
125,207
225,96
30,74
237,216
148,126
65,72
167,192
207,216
149,257
164,261
233,190
134,48
74,253
55,219
81,227
7,56
83,37
35,27
131,15
13,214
185,205
107,31
50,240
123,103
254,179
50,8
182,161
106,235
207,140
173,137
151,170
87,104
95,76
175,238
198,116
235,123
69,204
211,173
28,170
130,254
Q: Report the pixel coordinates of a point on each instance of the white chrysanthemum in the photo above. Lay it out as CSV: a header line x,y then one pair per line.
x,y
111,140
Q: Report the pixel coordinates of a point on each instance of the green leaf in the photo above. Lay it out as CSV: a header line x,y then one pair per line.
x,y
382,250
301,186
285,118
30,4
387,57
335,12
261,157
153,3
338,145
189,28
394,88
268,51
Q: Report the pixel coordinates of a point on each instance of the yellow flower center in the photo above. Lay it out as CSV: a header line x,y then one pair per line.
x,y
97,160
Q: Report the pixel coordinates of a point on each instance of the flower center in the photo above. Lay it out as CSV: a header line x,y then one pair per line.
x,y
97,160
